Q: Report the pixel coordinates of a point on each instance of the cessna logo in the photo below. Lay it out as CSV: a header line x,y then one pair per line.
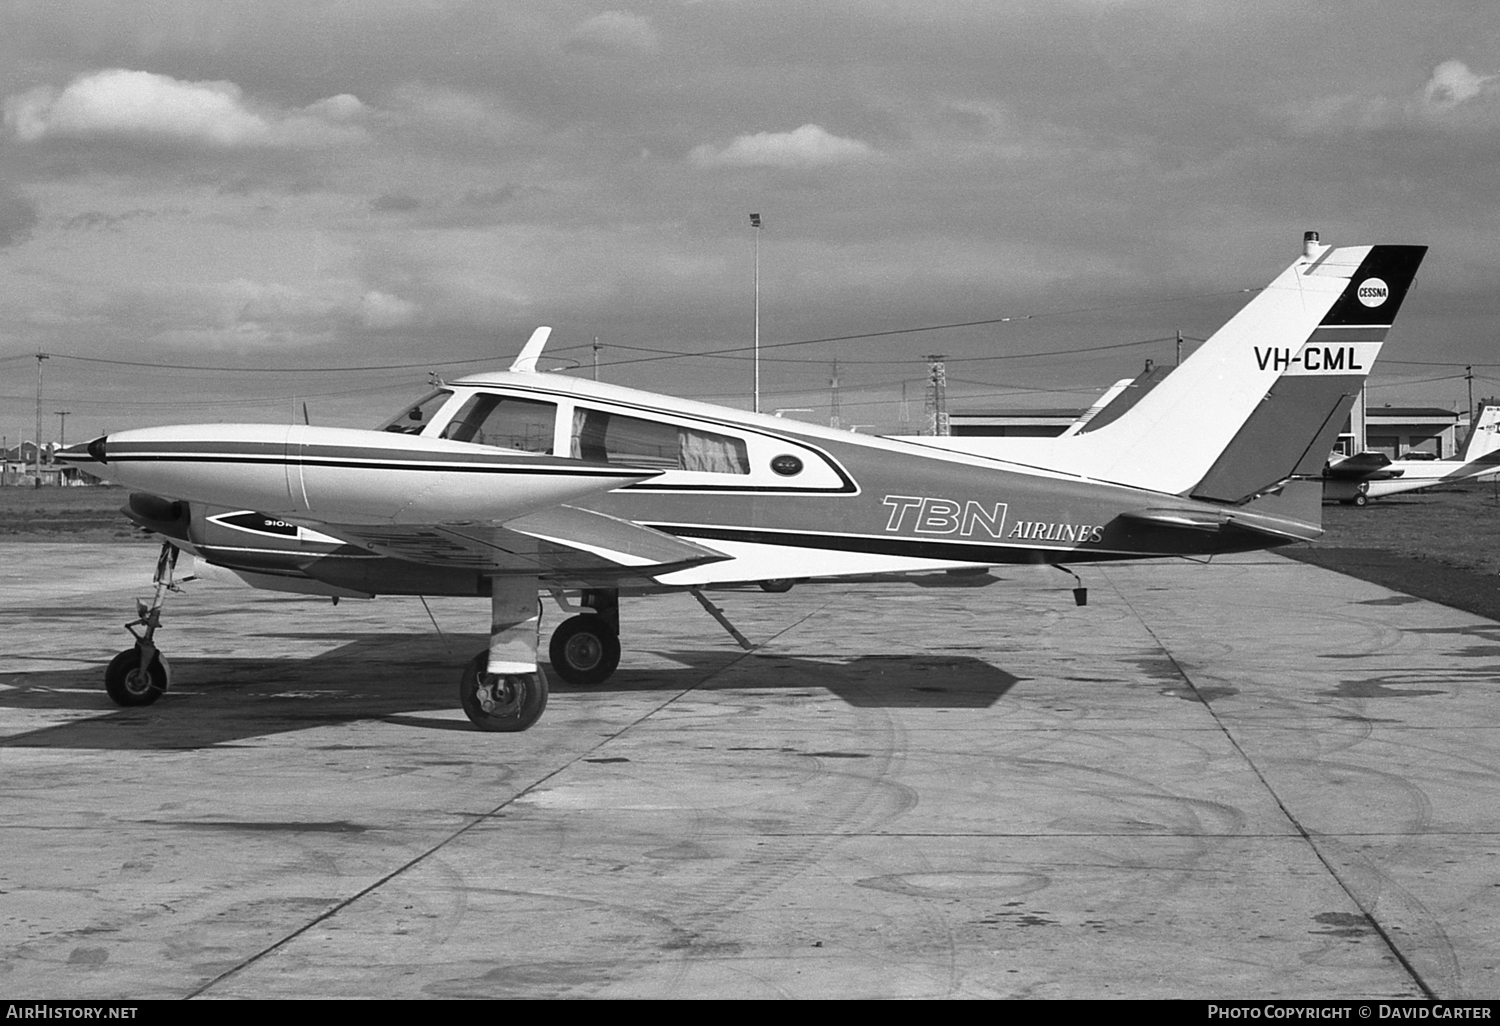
x,y
926,515
1373,292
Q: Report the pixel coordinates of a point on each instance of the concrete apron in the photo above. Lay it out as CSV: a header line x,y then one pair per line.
x,y
1253,779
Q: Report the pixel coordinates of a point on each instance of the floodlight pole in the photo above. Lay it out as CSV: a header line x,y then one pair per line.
x,y
755,223
39,358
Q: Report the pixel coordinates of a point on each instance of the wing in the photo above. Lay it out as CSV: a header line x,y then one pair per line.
x,y
563,544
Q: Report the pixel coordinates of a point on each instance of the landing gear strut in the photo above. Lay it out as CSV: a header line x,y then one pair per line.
x,y
585,649
139,675
503,688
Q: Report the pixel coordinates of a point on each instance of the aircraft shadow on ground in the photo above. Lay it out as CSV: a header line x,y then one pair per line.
x,y
217,701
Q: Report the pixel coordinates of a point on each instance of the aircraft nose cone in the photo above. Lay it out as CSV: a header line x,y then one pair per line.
x,y
83,451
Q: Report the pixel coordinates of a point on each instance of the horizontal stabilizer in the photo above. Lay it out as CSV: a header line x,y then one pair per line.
x,y
1228,519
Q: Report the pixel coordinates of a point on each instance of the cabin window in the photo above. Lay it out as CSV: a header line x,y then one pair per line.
x,y
413,419
504,421
613,438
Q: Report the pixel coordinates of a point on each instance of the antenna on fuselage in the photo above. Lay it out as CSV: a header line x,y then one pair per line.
x,y
525,363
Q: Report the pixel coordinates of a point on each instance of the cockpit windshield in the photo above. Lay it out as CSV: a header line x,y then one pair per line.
x,y
413,419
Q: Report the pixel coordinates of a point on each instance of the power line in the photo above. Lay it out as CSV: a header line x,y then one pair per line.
x,y
258,370
956,324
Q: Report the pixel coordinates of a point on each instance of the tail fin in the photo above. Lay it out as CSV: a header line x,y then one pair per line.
x,y
1484,434
1260,401
1294,427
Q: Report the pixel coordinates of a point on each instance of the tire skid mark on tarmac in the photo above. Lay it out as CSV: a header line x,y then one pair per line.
x,y
1351,889
849,803
428,855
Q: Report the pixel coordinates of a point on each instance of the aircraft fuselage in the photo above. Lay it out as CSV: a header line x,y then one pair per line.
x,y
779,499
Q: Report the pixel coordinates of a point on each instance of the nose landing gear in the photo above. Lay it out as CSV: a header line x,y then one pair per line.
x,y
139,675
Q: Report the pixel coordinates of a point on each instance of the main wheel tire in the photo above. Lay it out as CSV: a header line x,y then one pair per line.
x,y
584,650
517,703
777,585
128,684
1361,500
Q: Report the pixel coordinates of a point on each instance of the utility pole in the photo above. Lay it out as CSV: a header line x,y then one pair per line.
x,y
755,223
1179,347
937,396
39,358
1469,377
596,357
835,414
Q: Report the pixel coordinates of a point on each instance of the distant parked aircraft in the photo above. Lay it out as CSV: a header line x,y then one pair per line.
x,y
1357,479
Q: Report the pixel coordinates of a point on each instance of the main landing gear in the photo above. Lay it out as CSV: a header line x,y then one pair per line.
x,y
139,675
585,649
503,688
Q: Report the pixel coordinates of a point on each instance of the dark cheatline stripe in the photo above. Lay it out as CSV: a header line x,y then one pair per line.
x,y
972,552
330,455
549,470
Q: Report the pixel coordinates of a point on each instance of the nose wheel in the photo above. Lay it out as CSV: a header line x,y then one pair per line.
x,y
133,679
139,675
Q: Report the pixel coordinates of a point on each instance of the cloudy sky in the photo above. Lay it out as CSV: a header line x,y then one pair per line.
x,y
246,197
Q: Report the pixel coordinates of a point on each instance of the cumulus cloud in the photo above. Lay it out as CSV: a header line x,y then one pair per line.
x,y
120,103
808,146
1453,83
1454,98
614,32
381,310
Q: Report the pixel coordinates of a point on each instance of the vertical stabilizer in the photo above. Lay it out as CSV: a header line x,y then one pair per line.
x,y
1484,434
1295,425
1259,402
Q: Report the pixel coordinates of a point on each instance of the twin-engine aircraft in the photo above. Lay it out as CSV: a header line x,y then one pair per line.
x,y
1357,479
508,484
